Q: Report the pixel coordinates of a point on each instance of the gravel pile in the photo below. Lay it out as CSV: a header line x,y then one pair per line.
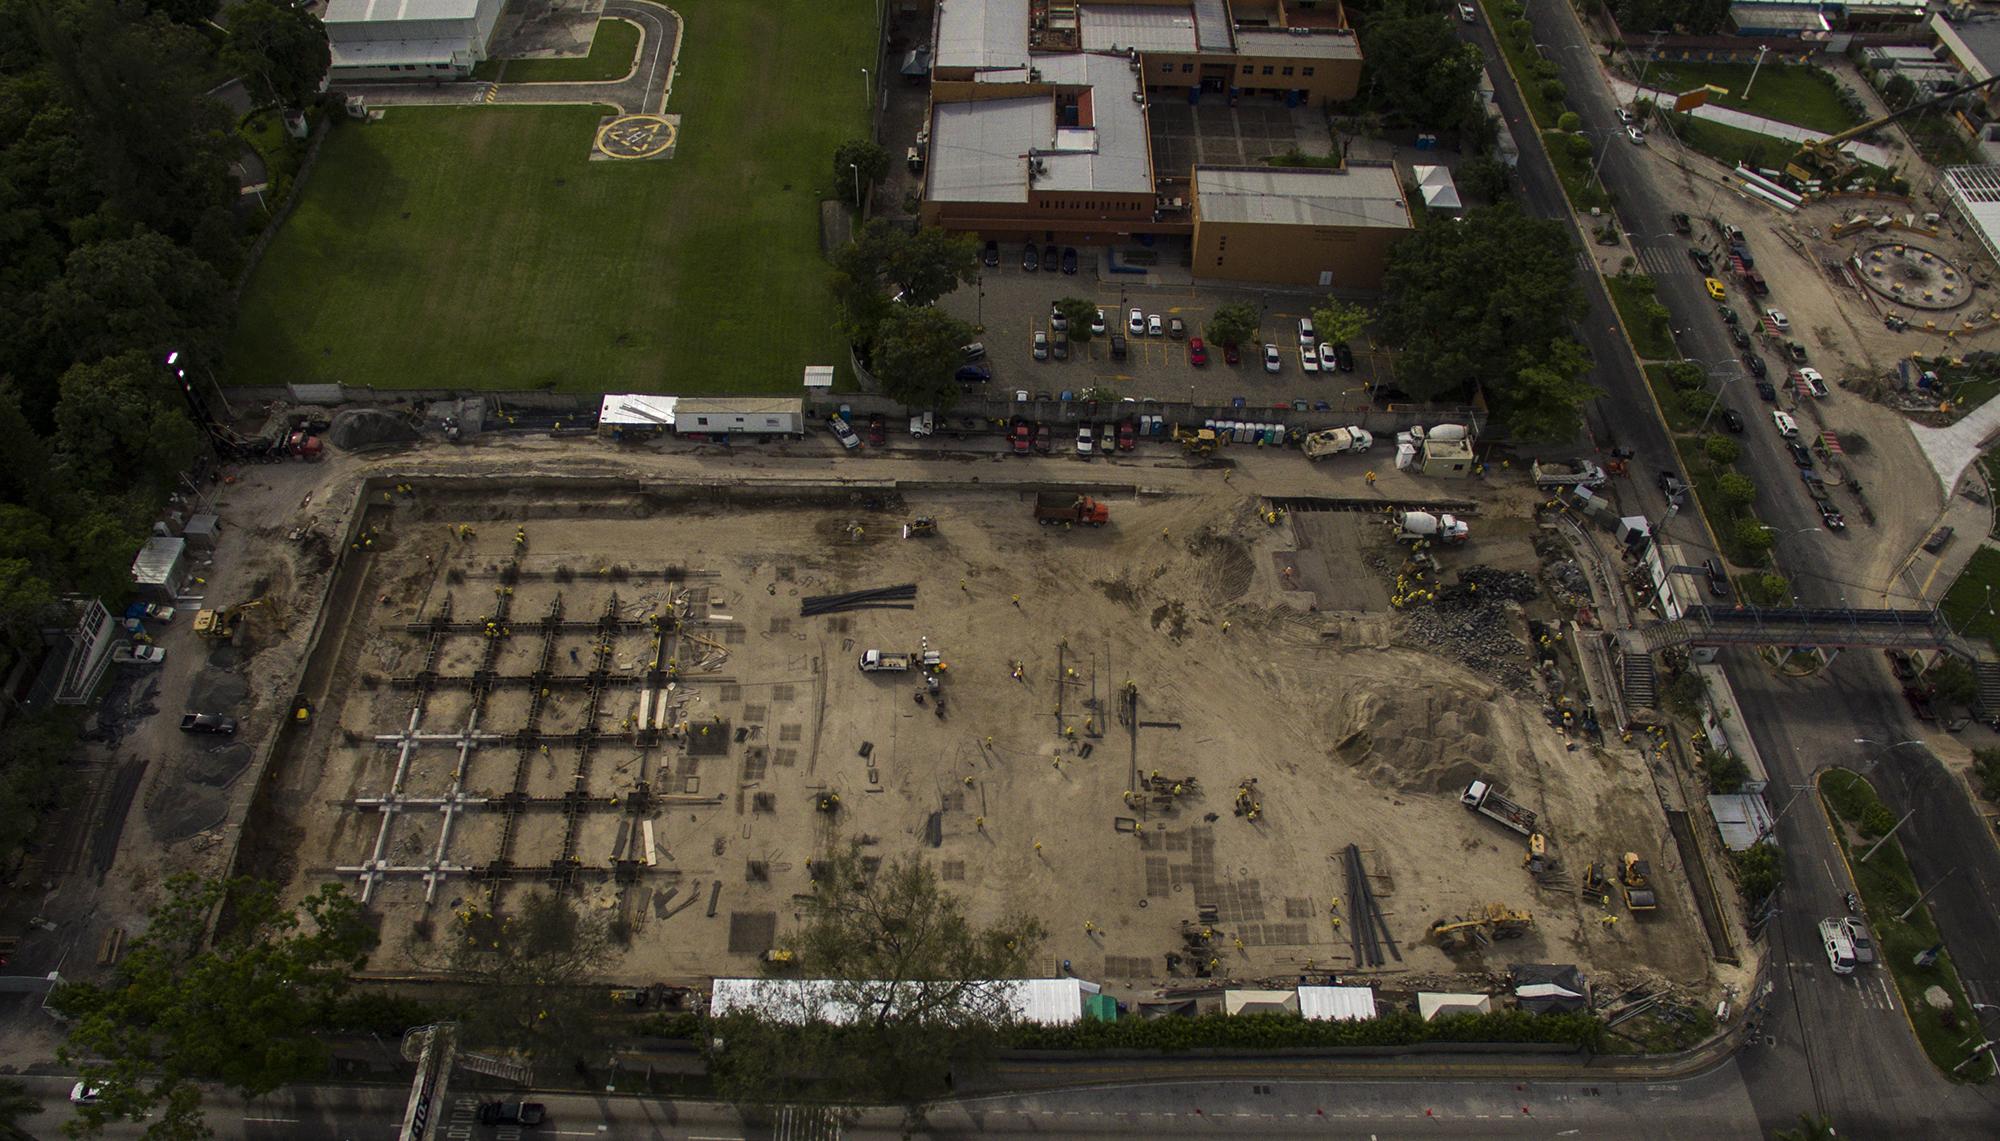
x,y
1473,621
360,429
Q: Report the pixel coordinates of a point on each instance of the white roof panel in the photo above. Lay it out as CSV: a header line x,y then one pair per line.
x,y
979,151
385,11
1148,27
1431,1005
1259,1001
1284,43
637,408
981,33
1047,1002
1337,1003
1362,195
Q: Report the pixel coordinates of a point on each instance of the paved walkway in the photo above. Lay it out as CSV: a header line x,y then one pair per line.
x,y
1742,121
644,91
1952,450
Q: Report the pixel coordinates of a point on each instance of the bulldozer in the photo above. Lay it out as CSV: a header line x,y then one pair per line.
x,y
1538,861
923,526
1499,921
1202,442
1596,884
1635,876
221,624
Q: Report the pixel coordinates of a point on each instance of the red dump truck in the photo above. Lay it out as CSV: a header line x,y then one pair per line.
x,y
1052,507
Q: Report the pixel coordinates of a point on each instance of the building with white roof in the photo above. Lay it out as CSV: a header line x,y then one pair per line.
x,y
1305,225
1045,1002
409,39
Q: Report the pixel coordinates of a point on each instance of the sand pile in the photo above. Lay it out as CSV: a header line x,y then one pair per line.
x,y
1423,739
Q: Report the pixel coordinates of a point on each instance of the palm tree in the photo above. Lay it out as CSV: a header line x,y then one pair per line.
x,y
16,1103
1810,1128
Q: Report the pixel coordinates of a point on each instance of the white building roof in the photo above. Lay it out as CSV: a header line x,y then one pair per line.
x,y
639,409
1148,27
386,53
1432,1005
383,11
1435,183
1365,196
1047,1002
1975,192
1287,43
1259,1001
819,376
1337,1003
981,33
979,150
740,406
156,561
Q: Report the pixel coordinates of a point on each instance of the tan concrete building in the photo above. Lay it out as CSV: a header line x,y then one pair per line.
x,y
1298,225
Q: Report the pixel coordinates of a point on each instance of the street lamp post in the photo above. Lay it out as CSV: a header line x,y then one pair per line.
x,y
856,168
867,90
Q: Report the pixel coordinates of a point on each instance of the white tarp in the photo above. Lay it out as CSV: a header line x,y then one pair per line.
x,y
1047,1002
1337,1003
637,410
1433,1005
1439,191
1259,1001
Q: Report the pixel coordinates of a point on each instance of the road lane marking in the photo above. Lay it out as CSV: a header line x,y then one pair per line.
x,y
273,1120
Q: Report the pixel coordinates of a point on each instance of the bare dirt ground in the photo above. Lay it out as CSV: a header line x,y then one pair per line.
x,y
1349,739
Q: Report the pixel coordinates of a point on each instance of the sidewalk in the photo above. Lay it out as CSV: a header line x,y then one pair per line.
x,y
1951,450
1627,91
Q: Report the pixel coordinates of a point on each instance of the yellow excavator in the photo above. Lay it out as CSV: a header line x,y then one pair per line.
x,y
1822,160
221,624
1200,442
1499,921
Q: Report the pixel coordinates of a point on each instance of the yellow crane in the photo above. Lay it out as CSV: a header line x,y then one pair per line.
x,y
1821,159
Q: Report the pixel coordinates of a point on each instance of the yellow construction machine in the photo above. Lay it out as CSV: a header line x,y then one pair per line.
x,y
1636,876
1821,159
1200,442
1499,921
221,624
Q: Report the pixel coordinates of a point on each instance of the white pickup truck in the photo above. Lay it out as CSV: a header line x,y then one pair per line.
x,y
875,661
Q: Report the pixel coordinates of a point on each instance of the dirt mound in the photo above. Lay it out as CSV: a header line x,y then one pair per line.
x,y
191,809
363,429
1414,740
218,693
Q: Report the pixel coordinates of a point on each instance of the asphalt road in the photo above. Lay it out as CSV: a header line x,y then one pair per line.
x,y
1646,203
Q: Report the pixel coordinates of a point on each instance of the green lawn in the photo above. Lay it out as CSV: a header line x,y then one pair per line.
x,y
1645,319
1804,96
1887,887
612,49
1967,603
477,247
1731,145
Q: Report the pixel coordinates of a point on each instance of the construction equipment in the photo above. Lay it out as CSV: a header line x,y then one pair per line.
x,y
1596,884
1636,876
1577,473
222,623
1481,797
1197,443
1499,921
923,526
1337,442
1538,861
1416,526
1822,160
1052,507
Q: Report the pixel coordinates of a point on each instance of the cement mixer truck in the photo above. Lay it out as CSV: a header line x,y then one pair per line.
x,y
1578,473
1337,442
1417,526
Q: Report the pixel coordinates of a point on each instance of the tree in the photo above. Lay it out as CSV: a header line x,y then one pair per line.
x,y
1766,589
1234,323
1340,321
1485,179
1686,374
1721,450
238,1010
916,353
930,263
142,292
1079,312
915,972
863,159
530,965
1416,69
1468,301
281,51
1759,871
16,1103
1738,491
1543,402
1953,682
1569,121
1754,537
119,417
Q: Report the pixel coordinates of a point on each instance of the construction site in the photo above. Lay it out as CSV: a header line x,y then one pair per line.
x,y
1226,737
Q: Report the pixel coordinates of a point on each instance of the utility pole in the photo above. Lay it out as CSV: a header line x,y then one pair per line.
x,y
1755,68
1926,895
1886,835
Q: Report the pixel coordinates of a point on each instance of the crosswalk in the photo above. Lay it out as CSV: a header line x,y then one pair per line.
x,y
1657,261
806,1123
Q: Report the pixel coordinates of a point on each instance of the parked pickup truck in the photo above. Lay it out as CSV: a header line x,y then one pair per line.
x,y
1579,473
1052,507
875,661
208,723
1482,798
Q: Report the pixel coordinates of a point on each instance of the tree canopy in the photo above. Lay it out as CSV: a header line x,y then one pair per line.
x,y
859,163
916,355
1415,69
1490,301
239,1010
903,956
280,51
531,964
883,259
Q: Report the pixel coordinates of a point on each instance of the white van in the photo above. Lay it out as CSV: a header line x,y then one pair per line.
x,y
1839,948
1306,331
1787,427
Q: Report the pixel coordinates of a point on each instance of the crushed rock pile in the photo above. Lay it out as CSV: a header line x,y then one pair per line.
x,y
362,429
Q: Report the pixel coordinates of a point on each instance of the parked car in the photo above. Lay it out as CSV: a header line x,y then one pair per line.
x,y
1728,315
1306,335
1126,434
1051,260
1044,438
1022,396
1467,14
1020,435
1117,346
1741,338
1060,346
1732,419
1795,351
973,351
1135,323
208,723
878,430
972,374
1783,422
1327,360
1086,441
1938,539
83,1093
1778,320
139,656
1765,391
837,424
1230,355
1041,345
1272,362
511,1113
992,255
1755,364
1058,320
1097,324
1701,260
1813,381
1718,582
1683,224
1857,934
1197,352
1154,326
1069,259
1030,260
1309,359
1343,356
1637,136
1800,456
1830,516
1715,288
922,424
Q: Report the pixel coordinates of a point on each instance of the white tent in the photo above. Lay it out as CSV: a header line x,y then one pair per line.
x,y
1047,1002
1439,192
1259,1002
1433,1005
1337,1003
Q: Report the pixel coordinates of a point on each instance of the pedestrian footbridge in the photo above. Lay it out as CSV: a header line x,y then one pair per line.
x,y
1799,626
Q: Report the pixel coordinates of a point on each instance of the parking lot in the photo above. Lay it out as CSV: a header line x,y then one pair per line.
x,y
1011,305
